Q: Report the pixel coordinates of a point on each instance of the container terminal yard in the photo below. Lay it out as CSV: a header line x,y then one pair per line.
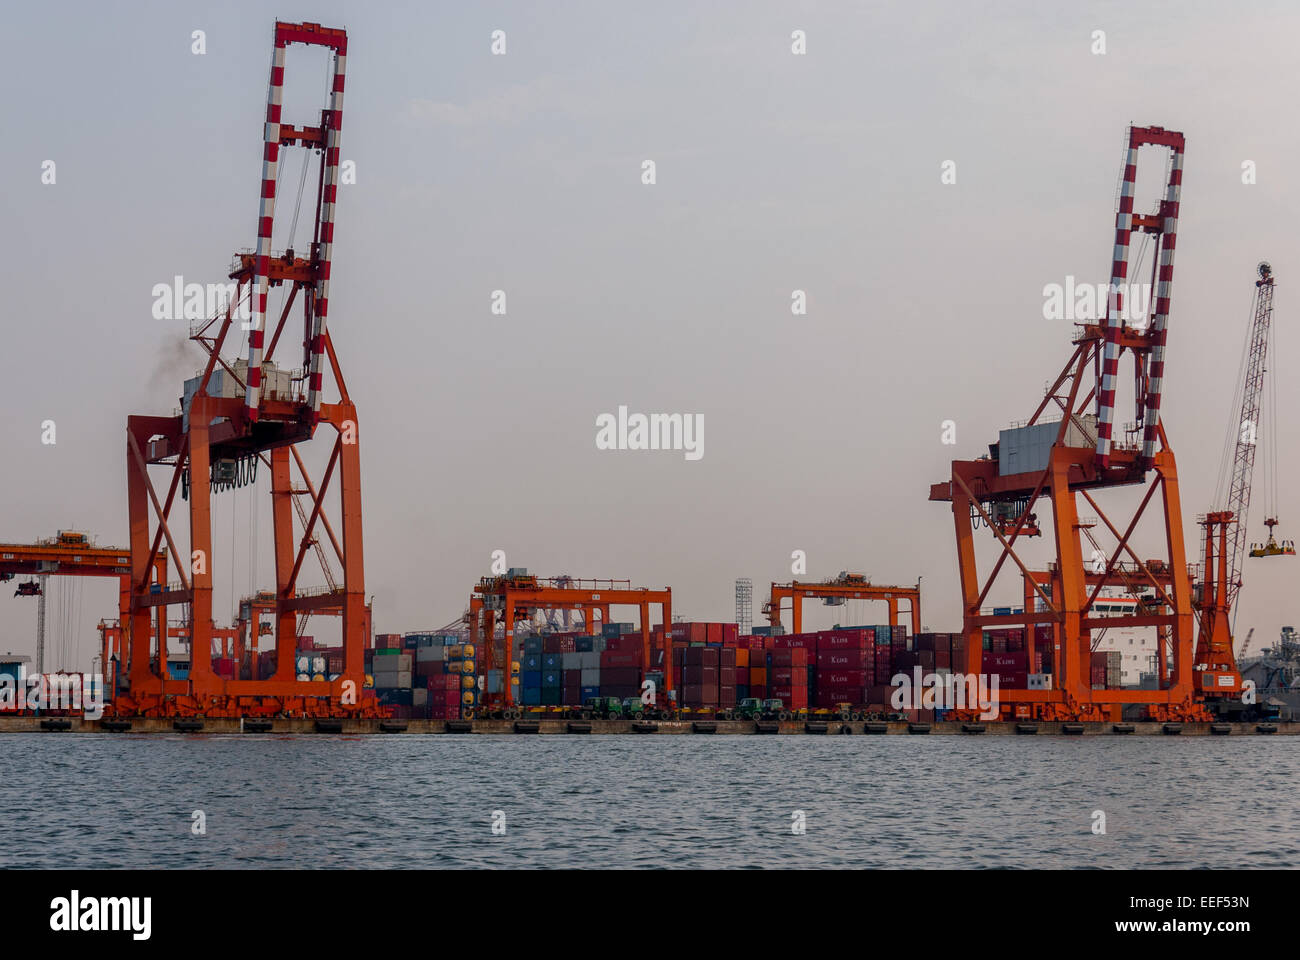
x,y
545,654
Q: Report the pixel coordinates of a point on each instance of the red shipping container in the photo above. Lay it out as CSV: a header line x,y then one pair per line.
x,y
697,632
994,662
795,641
704,656
693,696
841,678
829,699
700,675
789,676
730,633
611,660
727,657
620,677
757,676
832,659
840,640
792,698
790,657
726,696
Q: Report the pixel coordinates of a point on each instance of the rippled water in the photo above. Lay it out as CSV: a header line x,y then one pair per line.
x,y
679,801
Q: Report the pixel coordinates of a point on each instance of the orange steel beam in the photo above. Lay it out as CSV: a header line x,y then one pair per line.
x,y
797,592
279,327
317,502
167,507
311,490
161,514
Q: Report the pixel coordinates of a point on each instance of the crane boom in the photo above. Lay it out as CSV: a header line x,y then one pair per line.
x,y
1248,426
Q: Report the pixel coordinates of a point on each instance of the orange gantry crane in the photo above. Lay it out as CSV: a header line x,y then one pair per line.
x,y
518,595
70,553
835,591
1068,452
249,413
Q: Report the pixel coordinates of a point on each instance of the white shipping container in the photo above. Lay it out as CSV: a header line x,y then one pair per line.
x,y
393,681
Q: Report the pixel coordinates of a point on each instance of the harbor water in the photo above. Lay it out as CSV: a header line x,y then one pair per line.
x,y
109,801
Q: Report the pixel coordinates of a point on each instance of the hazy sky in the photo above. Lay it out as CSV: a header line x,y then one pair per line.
x,y
522,172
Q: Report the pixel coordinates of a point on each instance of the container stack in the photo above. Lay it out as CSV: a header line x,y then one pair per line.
x,y
552,682
393,679
788,676
1106,668
700,673
530,672
845,667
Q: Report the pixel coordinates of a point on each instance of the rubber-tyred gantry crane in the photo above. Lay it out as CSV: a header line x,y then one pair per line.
x,y
518,596
259,414
836,590
70,553
1078,456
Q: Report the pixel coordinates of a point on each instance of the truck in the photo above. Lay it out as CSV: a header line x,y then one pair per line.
x,y
628,708
751,708
603,708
